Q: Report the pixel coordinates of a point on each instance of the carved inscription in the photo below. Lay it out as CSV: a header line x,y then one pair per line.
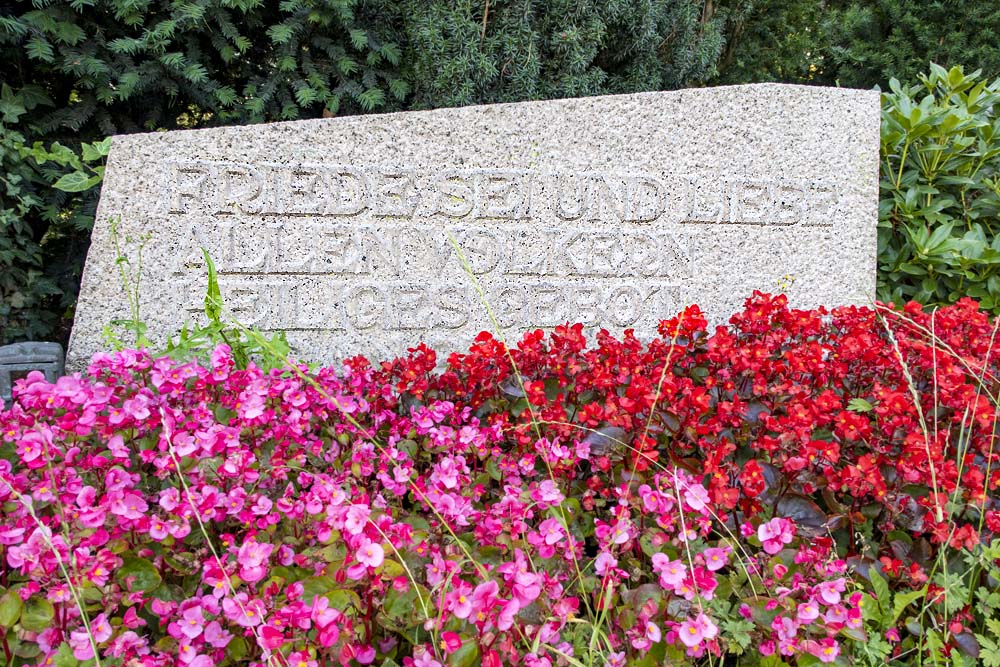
x,y
394,252
283,303
336,191
368,250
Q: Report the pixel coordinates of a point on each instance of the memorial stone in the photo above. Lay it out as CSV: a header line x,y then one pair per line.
x,y
611,211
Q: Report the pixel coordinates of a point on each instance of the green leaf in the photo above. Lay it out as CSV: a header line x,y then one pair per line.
x,y
237,649
904,600
280,33
37,614
320,585
96,151
142,574
10,609
359,39
390,569
881,589
64,657
38,48
76,181
466,656
11,105
859,405
213,296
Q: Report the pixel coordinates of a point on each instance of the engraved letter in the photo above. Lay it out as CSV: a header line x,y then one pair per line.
x,y
502,194
585,303
338,250
449,304
186,182
750,202
396,196
695,191
790,202
624,305
299,193
644,198
246,198
455,197
483,250
581,196
365,306
350,188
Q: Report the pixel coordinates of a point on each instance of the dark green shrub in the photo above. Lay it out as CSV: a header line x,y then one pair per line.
x,y
78,72
513,50
939,213
859,43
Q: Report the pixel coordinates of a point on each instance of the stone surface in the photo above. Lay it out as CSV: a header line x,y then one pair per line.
x,y
19,359
613,211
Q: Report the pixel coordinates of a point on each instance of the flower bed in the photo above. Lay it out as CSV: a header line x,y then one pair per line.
x,y
786,489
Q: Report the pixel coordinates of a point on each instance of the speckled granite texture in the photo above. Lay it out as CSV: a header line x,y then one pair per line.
x,y
611,211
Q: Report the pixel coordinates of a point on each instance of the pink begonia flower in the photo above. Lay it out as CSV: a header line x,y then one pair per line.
x,y
836,614
425,659
9,535
460,600
700,628
605,563
192,622
775,534
696,497
450,641
672,572
365,655
301,659
484,598
370,553
547,494
170,499
826,649
807,612
132,619
785,627
270,637
158,529
253,557
356,518
216,636
690,634
243,611
615,659
79,640
506,618
129,505
527,587
262,506
829,591
551,531
715,558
